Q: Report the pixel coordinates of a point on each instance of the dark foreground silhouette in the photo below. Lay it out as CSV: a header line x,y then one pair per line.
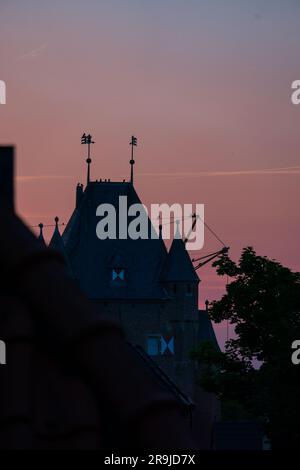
x,y
70,379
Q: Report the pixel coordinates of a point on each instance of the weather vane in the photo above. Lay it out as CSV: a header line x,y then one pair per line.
x,y
87,140
133,143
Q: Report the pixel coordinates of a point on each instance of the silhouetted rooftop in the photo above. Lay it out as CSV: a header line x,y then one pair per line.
x,y
92,259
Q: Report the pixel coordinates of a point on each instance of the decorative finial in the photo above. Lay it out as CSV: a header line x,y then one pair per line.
x,y
87,140
177,233
206,304
56,222
41,236
133,143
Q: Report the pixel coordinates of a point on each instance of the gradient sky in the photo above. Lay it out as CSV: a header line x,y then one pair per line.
x,y
205,86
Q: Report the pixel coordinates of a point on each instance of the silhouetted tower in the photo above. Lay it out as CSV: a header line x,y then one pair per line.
x,y
180,277
150,290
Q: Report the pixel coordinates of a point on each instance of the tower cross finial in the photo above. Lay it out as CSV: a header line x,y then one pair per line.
x,y
133,143
87,140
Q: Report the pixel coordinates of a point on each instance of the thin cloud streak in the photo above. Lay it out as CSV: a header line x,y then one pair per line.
x,y
291,170
33,178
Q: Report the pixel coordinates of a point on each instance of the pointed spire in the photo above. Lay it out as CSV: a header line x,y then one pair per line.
x,y
57,244
177,233
41,235
56,240
179,267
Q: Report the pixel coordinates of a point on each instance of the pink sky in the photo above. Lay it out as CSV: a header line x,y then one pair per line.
x,y
205,86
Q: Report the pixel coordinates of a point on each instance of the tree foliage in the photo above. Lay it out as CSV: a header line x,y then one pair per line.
x,y
262,302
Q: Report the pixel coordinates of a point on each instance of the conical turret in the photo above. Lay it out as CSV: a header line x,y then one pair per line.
x,y
56,243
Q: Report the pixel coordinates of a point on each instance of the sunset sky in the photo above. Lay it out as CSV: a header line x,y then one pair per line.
x,y
205,85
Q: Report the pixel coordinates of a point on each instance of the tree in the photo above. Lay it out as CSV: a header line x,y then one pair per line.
x,y
256,371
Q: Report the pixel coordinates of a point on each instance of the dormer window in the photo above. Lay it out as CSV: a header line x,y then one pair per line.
x,y
118,274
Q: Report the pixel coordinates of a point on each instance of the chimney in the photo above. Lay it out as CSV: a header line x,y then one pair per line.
x,y
79,194
6,176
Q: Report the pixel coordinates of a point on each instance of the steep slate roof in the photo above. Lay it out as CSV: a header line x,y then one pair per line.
x,y
41,236
56,241
206,331
91,258
178,265
163,378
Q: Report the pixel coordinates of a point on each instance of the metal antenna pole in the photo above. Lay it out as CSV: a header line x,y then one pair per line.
x,y
89,161
87,140
133,143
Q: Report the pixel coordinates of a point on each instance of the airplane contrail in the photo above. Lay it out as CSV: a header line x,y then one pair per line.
x,y
33,53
